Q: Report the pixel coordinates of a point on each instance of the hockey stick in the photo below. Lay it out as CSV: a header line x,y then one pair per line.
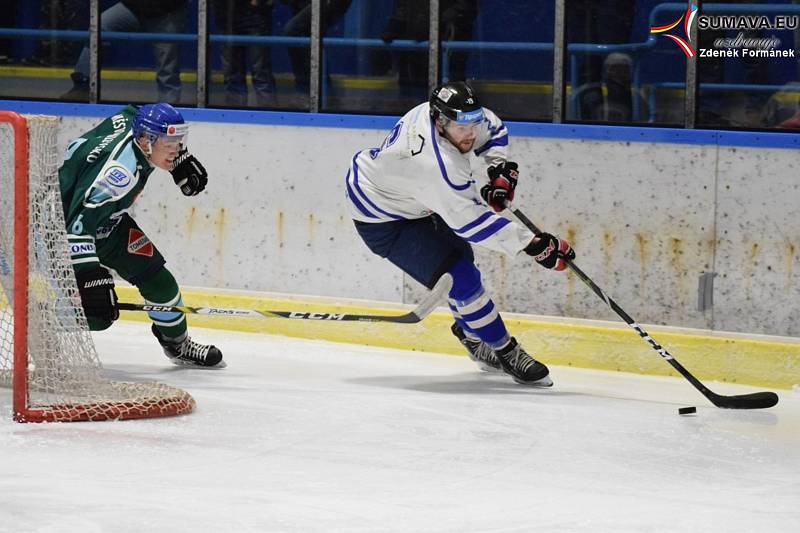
x,y
756,400
417,315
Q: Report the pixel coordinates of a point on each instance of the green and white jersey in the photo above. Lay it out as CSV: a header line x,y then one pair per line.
x,y
103,172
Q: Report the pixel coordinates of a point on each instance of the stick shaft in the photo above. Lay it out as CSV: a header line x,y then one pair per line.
x,y
757,400
412,317
263,313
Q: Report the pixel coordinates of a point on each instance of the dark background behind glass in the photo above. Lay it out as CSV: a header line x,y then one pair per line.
x,y
365,76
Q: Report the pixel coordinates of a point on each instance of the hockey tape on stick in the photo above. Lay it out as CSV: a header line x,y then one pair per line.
x,y
756,400
434,298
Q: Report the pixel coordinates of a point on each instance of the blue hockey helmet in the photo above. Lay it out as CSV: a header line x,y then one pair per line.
x,y
159,120
455,101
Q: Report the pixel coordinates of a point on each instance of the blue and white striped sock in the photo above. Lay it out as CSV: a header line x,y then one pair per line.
x,y
478,317
472,307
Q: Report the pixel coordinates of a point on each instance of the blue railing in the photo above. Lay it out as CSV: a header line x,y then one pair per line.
x,y
574,49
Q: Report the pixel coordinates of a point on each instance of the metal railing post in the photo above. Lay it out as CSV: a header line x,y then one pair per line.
x,y
690,95
94,51
202,53
433,46
316,56
559,55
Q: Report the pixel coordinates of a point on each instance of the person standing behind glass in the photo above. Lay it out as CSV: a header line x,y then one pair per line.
x,y
60,15
246,17
608,22
300,26
162,16
410,19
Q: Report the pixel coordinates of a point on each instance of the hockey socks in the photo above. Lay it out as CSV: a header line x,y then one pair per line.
x,y
472,307
162,289
477,320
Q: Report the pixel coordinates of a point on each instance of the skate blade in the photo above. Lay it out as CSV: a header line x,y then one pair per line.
x,y
187,364
543,383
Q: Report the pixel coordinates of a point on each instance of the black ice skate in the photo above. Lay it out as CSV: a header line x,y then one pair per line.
x,y
186,352
522,367
478,351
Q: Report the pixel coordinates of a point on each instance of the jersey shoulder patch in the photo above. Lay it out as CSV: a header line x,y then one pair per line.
x,y
114,182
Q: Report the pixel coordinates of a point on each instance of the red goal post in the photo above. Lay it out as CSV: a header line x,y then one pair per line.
x,y
47,355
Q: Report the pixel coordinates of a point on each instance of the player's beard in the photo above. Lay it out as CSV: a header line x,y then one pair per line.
x,y
465,146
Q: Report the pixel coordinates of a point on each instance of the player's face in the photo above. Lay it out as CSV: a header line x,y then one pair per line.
x,y
462,136
164,152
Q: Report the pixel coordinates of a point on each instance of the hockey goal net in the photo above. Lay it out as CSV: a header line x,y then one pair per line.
x,y
47,355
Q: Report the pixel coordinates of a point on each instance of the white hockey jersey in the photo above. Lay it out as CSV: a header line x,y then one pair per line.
x,y
417,172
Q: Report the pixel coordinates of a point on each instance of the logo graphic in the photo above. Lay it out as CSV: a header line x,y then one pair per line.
x,y
445,94
139,244
175,130
687,18
117,177
469,116
85,248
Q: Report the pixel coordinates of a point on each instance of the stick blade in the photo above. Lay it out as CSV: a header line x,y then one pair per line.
x,y
437,295
756,400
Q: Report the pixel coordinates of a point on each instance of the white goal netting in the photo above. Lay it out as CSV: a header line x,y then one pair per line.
x,y
61,379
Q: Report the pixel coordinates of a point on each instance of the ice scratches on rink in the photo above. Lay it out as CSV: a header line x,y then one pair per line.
x,y
300,435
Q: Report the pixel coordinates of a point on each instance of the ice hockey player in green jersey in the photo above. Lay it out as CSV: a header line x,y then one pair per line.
x,y
103,173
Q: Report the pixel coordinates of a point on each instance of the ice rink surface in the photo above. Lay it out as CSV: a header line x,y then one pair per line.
x,y
300,435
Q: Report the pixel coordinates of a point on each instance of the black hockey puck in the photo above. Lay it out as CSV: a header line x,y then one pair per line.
x,y
687,410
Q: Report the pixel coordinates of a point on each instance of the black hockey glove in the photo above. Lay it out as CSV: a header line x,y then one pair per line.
x,y
502,182
550,251
188,173
96,287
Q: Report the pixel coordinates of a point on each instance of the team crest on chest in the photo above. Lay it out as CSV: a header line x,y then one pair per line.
x,y
139,244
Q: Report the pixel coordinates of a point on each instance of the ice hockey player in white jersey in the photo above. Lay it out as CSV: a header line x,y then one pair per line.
x,y
416,202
